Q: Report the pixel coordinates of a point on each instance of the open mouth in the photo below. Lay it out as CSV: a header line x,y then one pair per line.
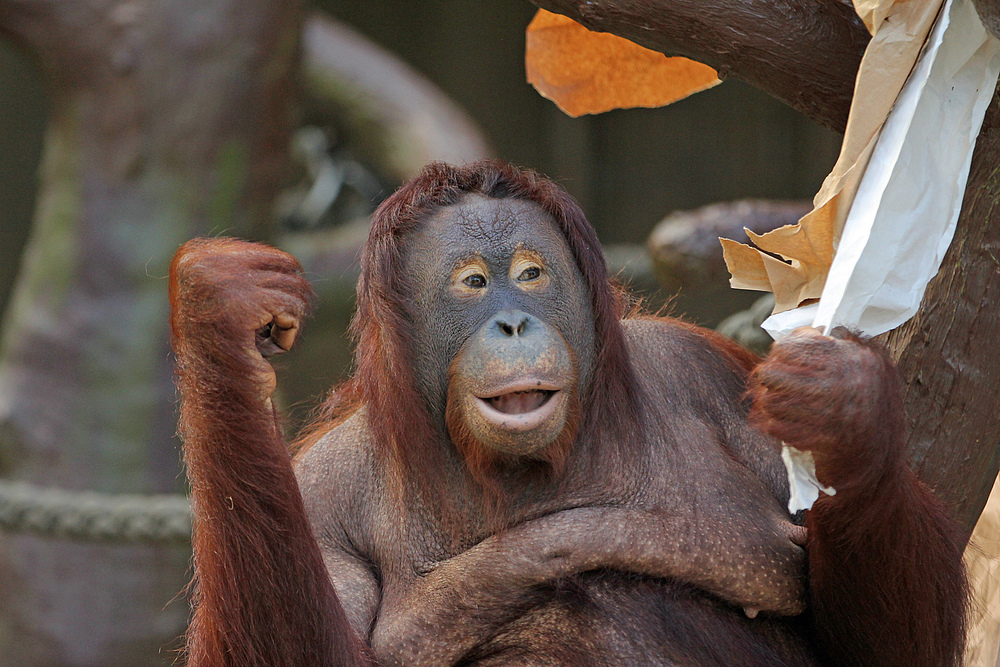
x,y
520,402
521,407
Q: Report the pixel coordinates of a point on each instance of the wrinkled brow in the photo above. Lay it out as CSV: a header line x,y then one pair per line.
x,y
492,228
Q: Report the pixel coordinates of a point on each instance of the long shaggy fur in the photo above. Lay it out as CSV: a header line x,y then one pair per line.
x,y
886,583
249,520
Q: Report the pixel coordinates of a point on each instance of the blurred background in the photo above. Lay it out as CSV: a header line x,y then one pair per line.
x,y
127,128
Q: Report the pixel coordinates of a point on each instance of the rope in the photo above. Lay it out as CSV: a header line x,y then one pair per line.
x,y
94,517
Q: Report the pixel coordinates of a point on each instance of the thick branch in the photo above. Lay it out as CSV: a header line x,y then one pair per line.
x,y
947,355
806,53
390,114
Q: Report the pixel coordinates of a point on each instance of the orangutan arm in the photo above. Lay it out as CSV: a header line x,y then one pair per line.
x,y
467,598
886,581
262,594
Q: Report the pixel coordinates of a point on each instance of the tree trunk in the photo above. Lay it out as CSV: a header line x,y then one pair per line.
x,y
167,120
946,354
806,53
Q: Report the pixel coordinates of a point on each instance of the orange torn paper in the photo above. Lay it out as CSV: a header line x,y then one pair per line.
x,y
900,29
593,72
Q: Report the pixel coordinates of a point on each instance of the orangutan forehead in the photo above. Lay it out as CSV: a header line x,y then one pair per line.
x,y
494,221
491,228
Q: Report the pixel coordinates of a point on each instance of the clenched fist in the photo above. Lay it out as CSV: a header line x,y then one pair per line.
x,y
838,396
233,303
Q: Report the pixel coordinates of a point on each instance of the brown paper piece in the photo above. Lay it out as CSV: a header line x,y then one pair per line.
x,y
754,276
593,72
809,246
873,12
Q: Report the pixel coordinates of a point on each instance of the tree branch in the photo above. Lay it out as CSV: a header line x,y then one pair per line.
x,y
946,353
806,53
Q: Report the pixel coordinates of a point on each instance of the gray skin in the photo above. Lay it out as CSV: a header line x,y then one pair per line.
x,y
493,231
506,334
514,363
687,523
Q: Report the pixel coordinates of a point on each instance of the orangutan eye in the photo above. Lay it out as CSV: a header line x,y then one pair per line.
x,y
530,273
527,271
470,279
475,281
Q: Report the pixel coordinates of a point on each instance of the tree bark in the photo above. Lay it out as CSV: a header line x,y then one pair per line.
x,y
167,120
946,353
806,53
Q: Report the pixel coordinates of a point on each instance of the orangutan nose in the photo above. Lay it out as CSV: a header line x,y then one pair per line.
x,y
512,323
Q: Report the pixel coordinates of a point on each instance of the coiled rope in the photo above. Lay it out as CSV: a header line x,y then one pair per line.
x,y
94,517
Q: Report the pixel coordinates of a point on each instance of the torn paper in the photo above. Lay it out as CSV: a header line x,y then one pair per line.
x,y
982,562
873,12
803,487
884,69
591,72
906,205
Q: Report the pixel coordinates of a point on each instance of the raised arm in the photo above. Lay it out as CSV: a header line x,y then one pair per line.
x,y
262,594
887,585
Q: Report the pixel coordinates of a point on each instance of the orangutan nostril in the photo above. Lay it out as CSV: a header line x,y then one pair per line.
x,y
512,325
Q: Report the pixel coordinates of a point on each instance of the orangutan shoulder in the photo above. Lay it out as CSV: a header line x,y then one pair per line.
x,y
681,362
339,469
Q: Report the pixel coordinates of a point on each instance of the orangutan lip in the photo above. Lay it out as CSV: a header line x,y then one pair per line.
x,y
520,409
520,386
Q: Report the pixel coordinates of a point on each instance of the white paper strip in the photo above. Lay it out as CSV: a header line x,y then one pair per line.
x,y
904,214
803,486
